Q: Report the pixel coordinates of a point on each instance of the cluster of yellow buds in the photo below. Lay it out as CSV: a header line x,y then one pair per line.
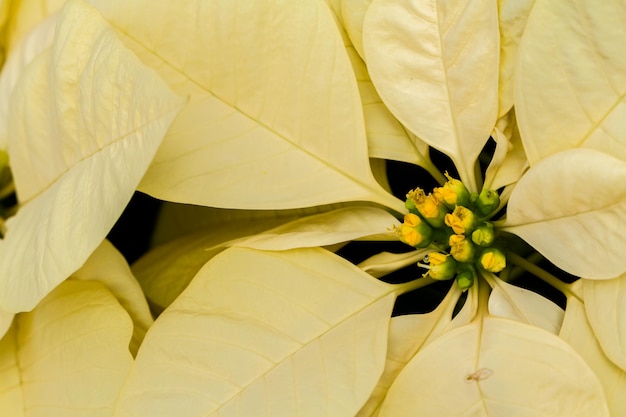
x,y
456,224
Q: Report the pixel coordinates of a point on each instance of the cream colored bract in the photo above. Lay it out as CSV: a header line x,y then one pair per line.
x,y
275,119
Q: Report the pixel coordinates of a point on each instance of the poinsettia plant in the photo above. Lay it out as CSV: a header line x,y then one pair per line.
x,y
294,272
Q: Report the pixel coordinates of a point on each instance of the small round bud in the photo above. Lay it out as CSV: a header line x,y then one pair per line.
x,y
483,235
466,277
462,249
492,260
487,201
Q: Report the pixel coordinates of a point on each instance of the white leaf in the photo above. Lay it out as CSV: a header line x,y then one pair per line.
x,y
496,367
325,229
570,84
68,357
108,266
31,47
515,303
509,159
605,303
435,65
384,263
578,333
410,333
513,15
274,110
76,156
353,14
571,207
299,332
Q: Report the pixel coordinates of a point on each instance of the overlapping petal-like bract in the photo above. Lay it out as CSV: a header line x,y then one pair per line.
x,y
86,119
274,103
437,71
300,332
496,367
68,357
571,207
570,83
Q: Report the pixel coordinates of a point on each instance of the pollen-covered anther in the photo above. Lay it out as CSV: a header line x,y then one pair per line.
x,y
428,206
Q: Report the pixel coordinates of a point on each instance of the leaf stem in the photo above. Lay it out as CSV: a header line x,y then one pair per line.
x,y
413,285
484,290
514,273
539,273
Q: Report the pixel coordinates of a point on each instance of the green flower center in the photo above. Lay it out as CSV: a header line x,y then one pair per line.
x,y
455,223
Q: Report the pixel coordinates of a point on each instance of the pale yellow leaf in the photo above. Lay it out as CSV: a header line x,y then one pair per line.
x,y
384,263
38,40
513,15
325,229
571,207
176,220
386,137
6,319
24,16
578,333
11,395
571,80
515,303
509,162
85,121
108,266
274,110
68,357
496,367
353,14
300,332
407,335
166,270
379,170
435,65
605,303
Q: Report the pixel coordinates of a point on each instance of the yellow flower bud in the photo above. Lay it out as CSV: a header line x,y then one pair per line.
x,y
429,207
414,231
483,235
492,260
462,249
441,266
461,220
453,193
